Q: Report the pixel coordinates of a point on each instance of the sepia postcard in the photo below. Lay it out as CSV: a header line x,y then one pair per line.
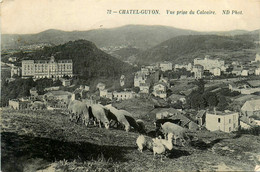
x,y
130,85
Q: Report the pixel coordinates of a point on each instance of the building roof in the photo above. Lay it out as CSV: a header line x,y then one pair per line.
x,y
220,113
251,105
200,113
254,83
176,97
161,83
58,93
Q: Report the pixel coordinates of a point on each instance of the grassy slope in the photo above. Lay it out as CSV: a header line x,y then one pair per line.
x,y
186,48
33,140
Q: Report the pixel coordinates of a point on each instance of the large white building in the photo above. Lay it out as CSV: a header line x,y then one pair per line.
x,y
209,64
47,68
223,121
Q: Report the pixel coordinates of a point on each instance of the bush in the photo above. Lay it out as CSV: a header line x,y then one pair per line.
x,y
252,131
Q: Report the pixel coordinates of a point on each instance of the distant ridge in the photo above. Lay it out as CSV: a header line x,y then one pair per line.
x,y
140,36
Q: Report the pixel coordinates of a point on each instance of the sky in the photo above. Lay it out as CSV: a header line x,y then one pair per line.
x,y
33,16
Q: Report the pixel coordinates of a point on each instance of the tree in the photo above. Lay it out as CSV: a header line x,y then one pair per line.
x,y
223,103
201,85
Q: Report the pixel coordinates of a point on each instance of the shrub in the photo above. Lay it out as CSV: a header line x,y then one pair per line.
x,y
252,131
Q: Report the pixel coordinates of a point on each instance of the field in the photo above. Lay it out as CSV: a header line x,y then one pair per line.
x,y
48,141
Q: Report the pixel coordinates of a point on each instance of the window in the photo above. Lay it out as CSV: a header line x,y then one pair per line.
x,y
218,120
229,121
229,129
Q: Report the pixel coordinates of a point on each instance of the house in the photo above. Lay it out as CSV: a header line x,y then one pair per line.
x,y
12,59
101,86
65,82
145,70
198,71
159,90
64,96
244,72
122,80
251,108
201,117
144,88
257,57
33,92
165,66
123,95
103,93
177,97
15,71
223,121
216,71
257,71
164,80
84,87
139,78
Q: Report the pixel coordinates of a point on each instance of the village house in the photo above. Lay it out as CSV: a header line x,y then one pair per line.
x,y
33,92
159,90
174,98
145,70
123,95
64,96
244,72
15,71
188,67
251,108
122,80
144,88
198,71
101,86
201,117
139,78
257,71
65,82
12,59
223,121
103,93
216,71
165,66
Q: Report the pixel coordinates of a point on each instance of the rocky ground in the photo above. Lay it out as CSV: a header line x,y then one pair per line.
x,y
48,141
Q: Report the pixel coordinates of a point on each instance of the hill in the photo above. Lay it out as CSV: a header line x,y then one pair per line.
x,y
88,60
186,48
141,36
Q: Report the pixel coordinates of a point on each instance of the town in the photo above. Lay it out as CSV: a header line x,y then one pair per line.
x,y
179,110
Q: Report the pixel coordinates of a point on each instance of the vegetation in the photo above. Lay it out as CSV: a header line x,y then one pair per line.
x,y
252,131
186,48
201,99
21,88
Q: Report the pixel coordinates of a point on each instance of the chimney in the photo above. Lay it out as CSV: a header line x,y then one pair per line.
x,y
215,112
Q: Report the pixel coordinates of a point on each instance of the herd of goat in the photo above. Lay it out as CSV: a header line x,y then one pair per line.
x,y
110,116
